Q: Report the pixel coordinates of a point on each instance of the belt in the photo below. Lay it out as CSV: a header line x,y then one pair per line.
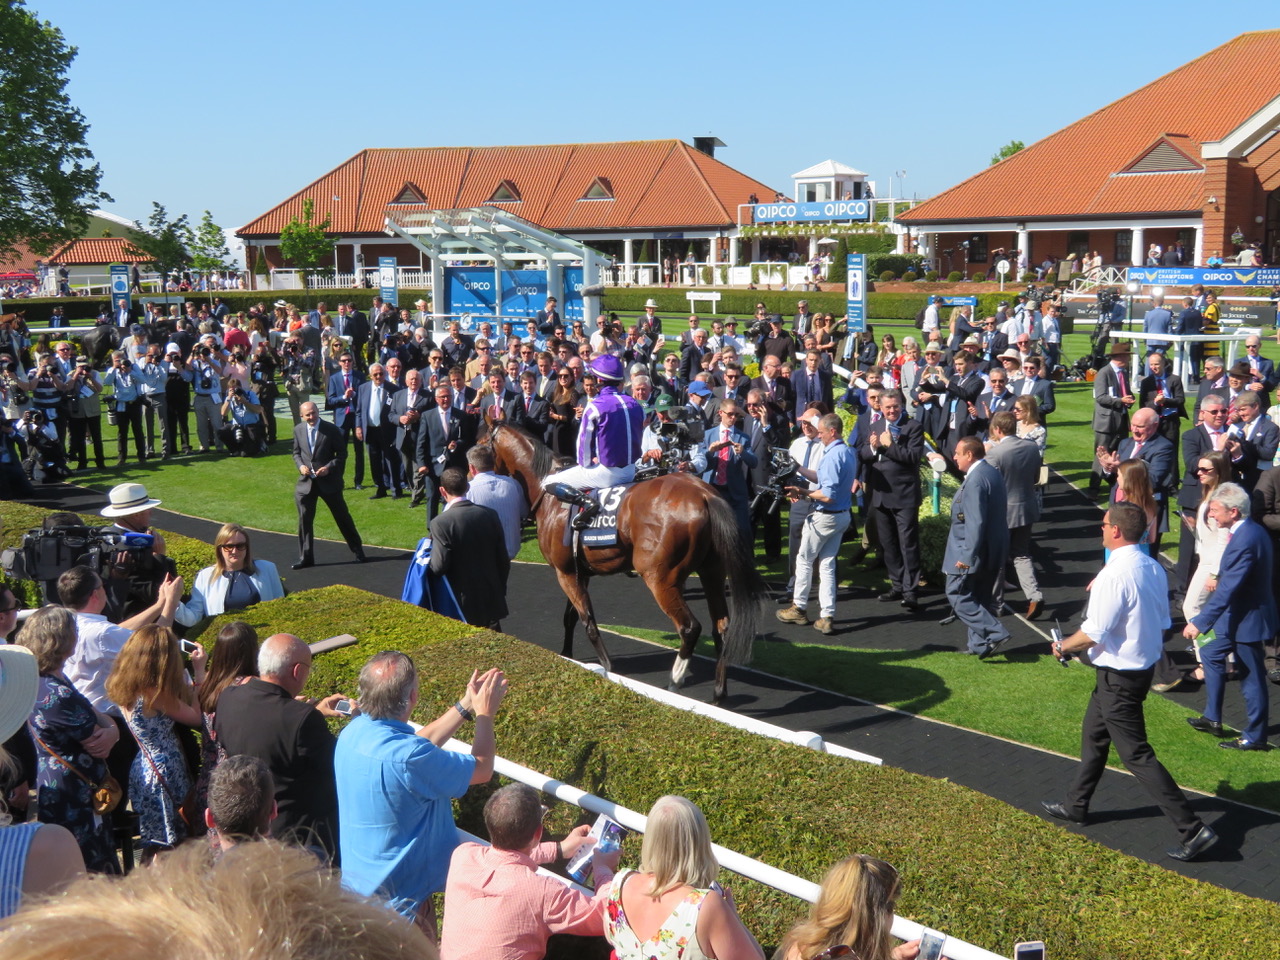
x,y
830,510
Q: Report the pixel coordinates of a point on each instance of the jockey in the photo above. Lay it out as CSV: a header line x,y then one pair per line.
x,y
608,443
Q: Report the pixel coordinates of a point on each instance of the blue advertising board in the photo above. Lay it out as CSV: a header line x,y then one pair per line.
x,y
571,307
959,301
120,283
1209,276
387,280
523,292
856,300
823,211
470,290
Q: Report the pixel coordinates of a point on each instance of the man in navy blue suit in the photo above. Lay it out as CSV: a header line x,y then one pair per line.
x,y
729,457
1241,611
1262,371
812,384
340,397
376,426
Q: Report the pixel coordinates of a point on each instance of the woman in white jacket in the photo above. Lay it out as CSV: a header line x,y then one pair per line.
x,y
236,581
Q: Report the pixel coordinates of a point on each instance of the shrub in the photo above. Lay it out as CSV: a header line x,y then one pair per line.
x,y
707,277
955,276
796,809
899,263
931,276
871,243
1028,276
979,277
910,276
888,276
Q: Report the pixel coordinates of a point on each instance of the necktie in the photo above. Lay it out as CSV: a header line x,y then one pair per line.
x,y
808,452
1217,439
346,385
1124,390
1137,448
528,402
375,408
722,466
311,439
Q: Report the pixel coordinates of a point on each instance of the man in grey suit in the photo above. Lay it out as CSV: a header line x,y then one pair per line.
x,y
977,545
1113,395
1019,464
320,455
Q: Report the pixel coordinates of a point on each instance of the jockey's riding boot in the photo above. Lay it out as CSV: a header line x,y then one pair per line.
x,y
586,514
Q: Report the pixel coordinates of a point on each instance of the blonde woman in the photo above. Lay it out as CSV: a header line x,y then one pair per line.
x,y
855,910
1026,410
671,908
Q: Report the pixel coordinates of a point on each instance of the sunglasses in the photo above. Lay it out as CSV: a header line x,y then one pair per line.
x,y
241,545
10,609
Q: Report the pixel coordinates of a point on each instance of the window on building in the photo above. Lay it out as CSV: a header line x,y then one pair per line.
x,y
815,192
977,248
600,189
409,193
1078,243
505,192
1187,237
1124,247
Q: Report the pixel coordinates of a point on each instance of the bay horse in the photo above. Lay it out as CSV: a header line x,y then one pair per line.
x,y
668,527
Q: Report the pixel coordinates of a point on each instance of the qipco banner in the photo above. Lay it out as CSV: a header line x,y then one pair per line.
x,y
523,292
571,308
471,290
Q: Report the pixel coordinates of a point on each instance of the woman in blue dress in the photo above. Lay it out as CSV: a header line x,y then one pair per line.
x,y
72,741
150,685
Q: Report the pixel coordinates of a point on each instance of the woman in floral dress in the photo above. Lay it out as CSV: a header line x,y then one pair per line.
x,y
148,676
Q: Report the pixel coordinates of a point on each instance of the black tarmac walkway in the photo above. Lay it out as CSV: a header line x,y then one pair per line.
x,y
1246,860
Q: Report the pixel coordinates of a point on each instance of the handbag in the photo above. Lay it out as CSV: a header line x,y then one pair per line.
x,y
103,797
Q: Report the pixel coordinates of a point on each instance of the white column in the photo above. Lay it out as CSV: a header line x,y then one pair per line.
x,y
1199,246
712,254
439,306
901,245
733,251
628,258
813,247
1024,241
1138,247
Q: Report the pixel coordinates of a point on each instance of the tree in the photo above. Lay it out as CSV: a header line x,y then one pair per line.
x,y
838,272
209,246
1008,150
303,244
164,243
50,180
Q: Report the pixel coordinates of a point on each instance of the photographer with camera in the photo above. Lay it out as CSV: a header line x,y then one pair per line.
x,y
668,443
206,381
177,396
45,461
84,421
153,377
242,433
47,388
127,404
296,367
262,376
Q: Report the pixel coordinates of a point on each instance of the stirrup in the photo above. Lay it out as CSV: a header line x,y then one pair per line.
x,y
588,513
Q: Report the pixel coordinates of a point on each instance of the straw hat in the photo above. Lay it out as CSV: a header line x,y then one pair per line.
x,y
19,682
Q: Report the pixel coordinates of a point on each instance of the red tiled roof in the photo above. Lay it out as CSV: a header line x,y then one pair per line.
x,y
655,183
97,250
1071,173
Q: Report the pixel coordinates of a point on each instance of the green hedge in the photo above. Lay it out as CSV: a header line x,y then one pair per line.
x,y
972,866
85,309
189,554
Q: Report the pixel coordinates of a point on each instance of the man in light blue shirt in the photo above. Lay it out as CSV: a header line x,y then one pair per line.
x,y
820,540
396,784
503,495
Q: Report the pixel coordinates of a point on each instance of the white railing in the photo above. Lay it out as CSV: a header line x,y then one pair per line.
x,y
366,278
801,738
731,860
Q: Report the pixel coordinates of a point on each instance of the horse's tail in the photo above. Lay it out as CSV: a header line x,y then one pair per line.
x,y
745,584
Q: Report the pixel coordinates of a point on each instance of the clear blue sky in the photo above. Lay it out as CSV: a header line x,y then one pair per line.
x,y
232,106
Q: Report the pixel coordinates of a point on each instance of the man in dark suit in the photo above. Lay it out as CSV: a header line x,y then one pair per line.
x,y
1213,381
691,356
1211,434
457,347
998,398
993,342
1034,383
1241,611
340,397
1189,323
736,385
767,428
1262,371
812,384
890,454
261,718
960,391
442,443
376,426
1113,395
1019,466
407,408
1266,511
729,458
318,454
775,386
1258,437
802,323
462,394
1144,443
977,545
527,409
469,548
1164,393
548,318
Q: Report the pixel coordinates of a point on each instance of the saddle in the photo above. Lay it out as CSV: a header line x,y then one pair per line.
x,y
593,513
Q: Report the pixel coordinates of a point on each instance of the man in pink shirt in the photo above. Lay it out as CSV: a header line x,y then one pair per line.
x,y
496,904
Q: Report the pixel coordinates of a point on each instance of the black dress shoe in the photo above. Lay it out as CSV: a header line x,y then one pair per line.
x,y
380,495
300,564
910,602
1274,675
1205,725
1190,849
890,597
1242,744
357,486
1056,808
991,648
360,558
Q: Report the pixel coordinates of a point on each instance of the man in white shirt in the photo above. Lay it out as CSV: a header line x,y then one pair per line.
x,y
931,319
502,495
1122,636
